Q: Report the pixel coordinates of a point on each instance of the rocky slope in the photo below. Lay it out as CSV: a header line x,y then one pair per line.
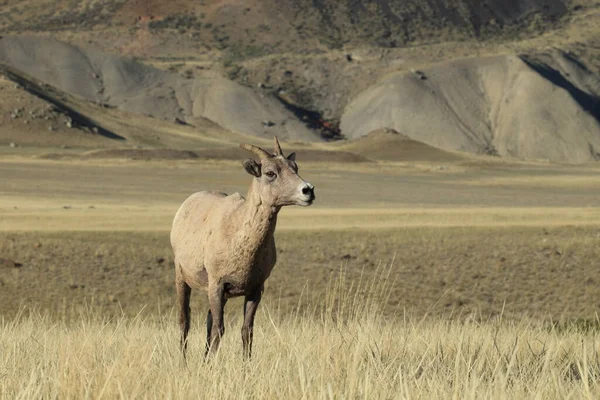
x,y
132,86
534,107
516,78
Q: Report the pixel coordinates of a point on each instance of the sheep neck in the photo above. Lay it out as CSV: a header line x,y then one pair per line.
x,y
258,220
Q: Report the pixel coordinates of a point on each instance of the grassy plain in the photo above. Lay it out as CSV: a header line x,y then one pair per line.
x,y
473,279
302,355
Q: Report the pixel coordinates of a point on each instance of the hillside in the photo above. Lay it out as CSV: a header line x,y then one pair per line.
x,y
308,71
535,107
279,24
540,106
135,87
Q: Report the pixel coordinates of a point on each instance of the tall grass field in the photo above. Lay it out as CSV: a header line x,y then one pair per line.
x,y
343,347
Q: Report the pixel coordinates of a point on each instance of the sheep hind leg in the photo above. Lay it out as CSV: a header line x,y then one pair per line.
x,y
184,292
250,306
215,323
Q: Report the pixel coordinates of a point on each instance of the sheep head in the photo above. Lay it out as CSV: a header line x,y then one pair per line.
x,y
277,179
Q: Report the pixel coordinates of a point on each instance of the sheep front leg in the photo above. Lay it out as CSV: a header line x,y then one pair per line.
x,y
209,322
216,300
250,306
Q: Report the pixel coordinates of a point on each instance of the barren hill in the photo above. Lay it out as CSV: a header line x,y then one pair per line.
x,y
503,105
135,87
389,145
541,106
516,78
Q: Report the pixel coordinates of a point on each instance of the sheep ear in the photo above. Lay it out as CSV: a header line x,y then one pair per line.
x,y
252,167
292,157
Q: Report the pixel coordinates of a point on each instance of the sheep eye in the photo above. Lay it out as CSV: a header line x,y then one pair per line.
x,y
270,174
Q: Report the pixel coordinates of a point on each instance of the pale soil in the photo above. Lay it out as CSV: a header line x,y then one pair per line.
x,y
471,237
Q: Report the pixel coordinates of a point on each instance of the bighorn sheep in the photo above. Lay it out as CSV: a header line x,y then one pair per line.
x,y
224,244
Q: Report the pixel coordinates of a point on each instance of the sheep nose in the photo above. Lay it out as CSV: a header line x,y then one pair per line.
x,y
309,190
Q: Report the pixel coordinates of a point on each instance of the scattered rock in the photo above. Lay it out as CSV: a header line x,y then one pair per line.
x,y
17,113
160,260
37,245
419,74
51,128
67,207
288,74
349,57
92,207
6,263
268,124
179,121
12,144
347,257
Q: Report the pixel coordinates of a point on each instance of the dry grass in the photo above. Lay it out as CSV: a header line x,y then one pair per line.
x,y
493,291
344,349
129,195
159,218
455,233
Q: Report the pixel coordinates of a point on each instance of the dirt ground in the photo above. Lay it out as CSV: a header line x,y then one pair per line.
x,y
468,238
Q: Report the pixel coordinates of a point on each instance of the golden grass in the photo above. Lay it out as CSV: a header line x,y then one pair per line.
x,y
344,349
465,311
554,181
158,218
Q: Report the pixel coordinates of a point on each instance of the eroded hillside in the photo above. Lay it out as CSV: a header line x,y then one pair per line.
x,y
516,79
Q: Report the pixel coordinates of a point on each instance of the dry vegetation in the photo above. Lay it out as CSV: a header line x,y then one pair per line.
x,y
476,278
419,273
344,348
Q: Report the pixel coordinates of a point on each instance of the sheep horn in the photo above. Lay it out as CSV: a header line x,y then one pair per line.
x,y
277,147
262,154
